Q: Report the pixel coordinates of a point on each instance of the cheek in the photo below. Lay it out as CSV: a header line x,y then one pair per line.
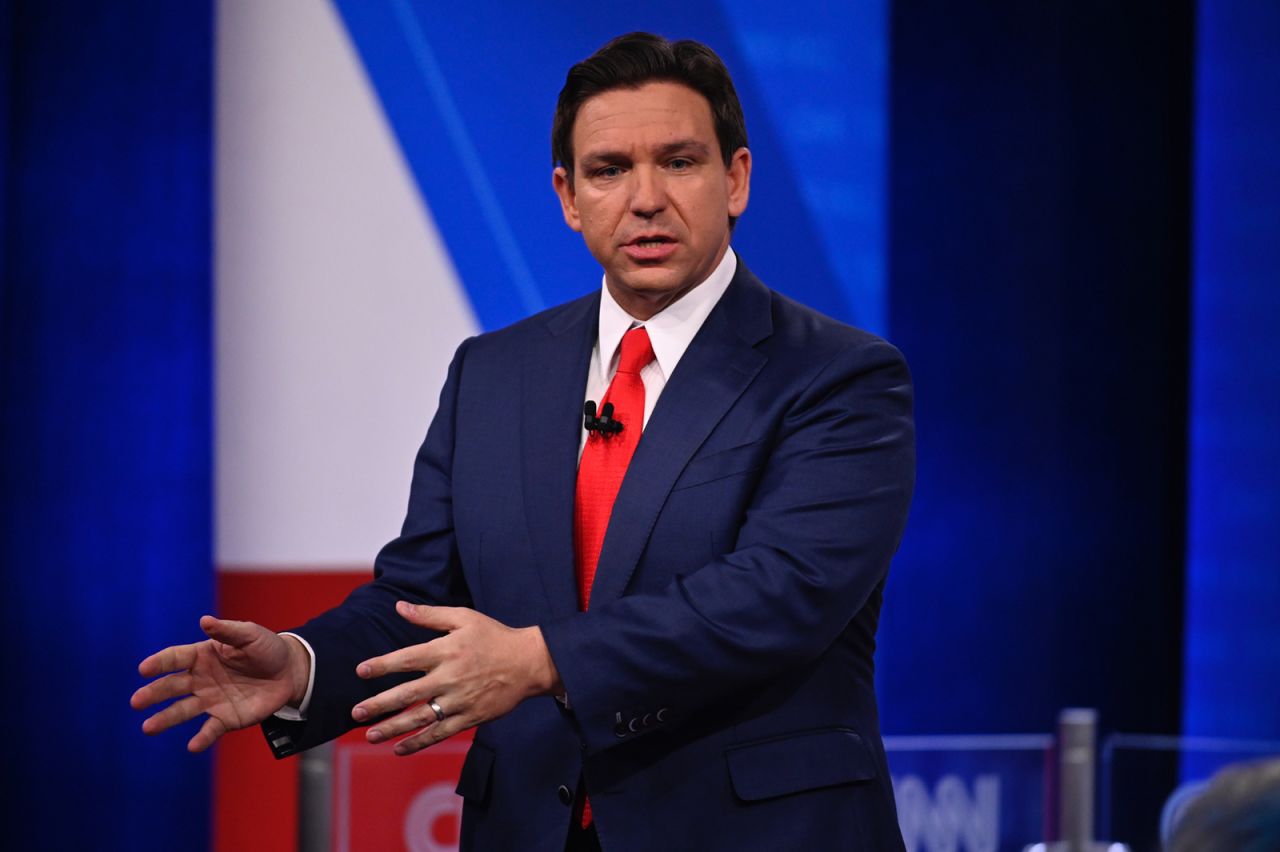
x,y
706,210
708,219
595,233
590,228
596,219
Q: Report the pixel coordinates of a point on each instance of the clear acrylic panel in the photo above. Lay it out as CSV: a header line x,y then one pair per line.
x,y
1145,780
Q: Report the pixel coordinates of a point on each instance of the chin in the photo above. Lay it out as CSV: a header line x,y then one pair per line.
x,y
663,277
653,284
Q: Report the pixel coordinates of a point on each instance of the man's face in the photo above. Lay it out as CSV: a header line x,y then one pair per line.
x,y
650,192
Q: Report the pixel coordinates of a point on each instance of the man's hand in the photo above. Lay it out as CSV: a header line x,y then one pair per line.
x,y
479,671
240,675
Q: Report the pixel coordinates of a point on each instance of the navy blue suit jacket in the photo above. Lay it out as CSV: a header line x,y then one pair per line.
x,y
721,685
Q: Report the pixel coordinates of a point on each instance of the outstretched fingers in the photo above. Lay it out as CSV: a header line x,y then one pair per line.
x,y
415,658
170,686
391,700
442,618
175,658
207,735
415,718
173,715
432,734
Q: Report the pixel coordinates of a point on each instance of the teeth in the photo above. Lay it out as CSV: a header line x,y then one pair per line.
x,y
650,243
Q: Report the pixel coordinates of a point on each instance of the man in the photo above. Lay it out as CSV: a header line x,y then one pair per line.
x,y
660,615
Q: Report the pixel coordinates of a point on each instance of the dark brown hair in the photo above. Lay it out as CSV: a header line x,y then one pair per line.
x,y
628,62
1238,811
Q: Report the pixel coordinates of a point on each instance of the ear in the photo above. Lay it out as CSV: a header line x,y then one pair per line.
x,y
563,186
739,177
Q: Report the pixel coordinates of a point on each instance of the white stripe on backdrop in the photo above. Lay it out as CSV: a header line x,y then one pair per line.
x,y
337,306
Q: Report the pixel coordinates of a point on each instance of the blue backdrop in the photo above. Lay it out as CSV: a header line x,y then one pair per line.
x,y
1038,199
104,412
1233,558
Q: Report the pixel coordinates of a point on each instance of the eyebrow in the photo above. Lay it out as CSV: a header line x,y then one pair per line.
x,y
691,146
679,146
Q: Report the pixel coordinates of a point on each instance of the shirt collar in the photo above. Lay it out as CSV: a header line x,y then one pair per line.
x,y
672,329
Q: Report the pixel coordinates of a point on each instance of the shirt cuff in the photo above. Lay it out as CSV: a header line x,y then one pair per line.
x,y
299,713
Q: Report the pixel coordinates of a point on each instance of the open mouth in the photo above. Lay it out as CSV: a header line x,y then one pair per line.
x,y
651,242
650,248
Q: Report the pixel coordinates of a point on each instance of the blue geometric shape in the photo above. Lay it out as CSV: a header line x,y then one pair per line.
x,y
822,71
470,96
1232,684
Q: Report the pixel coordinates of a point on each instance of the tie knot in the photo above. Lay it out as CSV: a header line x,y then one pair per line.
x,y
636,351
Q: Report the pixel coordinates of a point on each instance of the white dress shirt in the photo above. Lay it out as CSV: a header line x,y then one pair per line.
x,y
671,330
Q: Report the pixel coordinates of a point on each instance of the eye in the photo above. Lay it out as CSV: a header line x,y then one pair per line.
x,y
680,164
607,172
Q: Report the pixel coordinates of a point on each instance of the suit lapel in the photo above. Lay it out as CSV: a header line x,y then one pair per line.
x,y
717,367
554,385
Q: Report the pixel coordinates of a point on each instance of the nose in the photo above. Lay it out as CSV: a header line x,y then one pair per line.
x,y
648,193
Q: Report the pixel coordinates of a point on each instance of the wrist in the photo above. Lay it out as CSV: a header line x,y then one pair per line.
x,y
544,676
299,670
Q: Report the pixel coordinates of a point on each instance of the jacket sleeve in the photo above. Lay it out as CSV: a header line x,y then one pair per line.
x,y
817,537
421,566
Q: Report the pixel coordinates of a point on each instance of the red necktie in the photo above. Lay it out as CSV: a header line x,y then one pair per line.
x,y
604,464
605,459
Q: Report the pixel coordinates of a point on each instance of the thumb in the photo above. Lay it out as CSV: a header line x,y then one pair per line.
x,y
444,618
237,634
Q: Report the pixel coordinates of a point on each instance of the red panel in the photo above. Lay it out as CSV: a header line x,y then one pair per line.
x,y
390,803
385,803
255,796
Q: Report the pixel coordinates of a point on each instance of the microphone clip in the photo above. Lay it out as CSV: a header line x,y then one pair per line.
x,y
603,424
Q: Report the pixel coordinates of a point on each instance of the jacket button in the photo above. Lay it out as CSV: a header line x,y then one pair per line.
x,y
565,795
661,715
619,726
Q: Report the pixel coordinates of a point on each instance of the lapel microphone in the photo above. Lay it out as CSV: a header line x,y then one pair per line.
x,y
604,424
